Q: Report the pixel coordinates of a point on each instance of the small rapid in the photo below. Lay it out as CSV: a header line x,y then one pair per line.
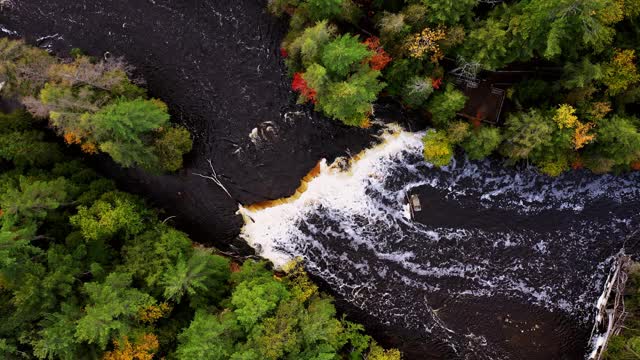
x,y
497,260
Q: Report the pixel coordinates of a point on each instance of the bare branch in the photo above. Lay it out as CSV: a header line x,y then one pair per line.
x,y
214,177
467,71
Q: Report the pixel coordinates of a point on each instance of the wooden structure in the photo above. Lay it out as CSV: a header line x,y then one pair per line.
x,y
484,103
413,201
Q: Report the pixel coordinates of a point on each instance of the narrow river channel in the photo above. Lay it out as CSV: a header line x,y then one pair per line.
x,y
500,263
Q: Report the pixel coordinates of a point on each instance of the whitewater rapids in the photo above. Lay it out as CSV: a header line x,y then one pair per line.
x,y
551,248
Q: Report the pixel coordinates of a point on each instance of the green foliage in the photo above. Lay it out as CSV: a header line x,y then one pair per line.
x,y
350,100
438,150
115,213
169,148
31,200
458,131
316,77
56,338
526,132
582,74
91,104
76,52
379,353
482,142
618,139
201,277
488,44
342,55
535,38
621,72
87,272
112,307
253,300
399,74
209,337
323,9
337,76
551,27
151,254
28,148
444,106
448,12
417,91
122,126
22,146
306,49
292,321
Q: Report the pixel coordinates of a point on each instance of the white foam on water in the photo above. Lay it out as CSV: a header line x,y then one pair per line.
x,y
332,189
353,229
7,31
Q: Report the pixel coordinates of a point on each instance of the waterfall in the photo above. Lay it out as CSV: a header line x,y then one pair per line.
x,y
502,235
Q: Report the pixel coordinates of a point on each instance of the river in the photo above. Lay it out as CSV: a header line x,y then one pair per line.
x,y
501,263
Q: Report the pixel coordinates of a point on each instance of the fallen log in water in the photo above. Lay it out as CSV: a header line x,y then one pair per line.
x,y
610,310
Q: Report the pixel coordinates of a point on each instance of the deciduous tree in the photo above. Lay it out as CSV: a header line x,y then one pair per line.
x,y
437,148
444,106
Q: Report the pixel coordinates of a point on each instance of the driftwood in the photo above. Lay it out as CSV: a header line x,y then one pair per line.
x,y
610,310
214,177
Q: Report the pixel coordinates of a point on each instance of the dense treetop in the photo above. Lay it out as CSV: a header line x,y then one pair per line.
x,y
95,105
583,115
88,271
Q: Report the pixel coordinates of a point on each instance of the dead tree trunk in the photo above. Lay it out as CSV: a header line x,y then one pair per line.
x,y
610,311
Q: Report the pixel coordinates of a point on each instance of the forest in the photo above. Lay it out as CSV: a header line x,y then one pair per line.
x,y
91,272
576,108
88,271
93,104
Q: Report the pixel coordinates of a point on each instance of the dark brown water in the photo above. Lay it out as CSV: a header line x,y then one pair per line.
x,y
218,66
535,253
500,263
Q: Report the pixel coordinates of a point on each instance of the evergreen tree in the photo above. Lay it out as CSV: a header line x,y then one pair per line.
x,y
112,308
202,278
343,55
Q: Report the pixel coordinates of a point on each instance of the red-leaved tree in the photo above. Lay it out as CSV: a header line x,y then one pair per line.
x,y
300,85
436,83
380,59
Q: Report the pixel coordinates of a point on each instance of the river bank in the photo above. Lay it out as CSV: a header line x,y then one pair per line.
x,y
218,66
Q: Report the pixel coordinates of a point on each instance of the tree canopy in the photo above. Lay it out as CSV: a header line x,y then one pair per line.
x,y
87,271
578,60
92,104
